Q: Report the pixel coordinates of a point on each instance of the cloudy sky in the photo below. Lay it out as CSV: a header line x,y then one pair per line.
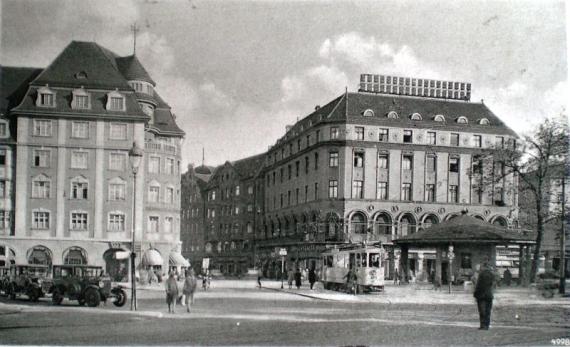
x,y
237,72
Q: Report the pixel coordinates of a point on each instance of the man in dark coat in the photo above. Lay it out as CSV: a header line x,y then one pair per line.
x,y
484,295
312,277
298,278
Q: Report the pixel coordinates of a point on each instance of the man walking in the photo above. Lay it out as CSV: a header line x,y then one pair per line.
x,y
171,292
190,284
484,295
312,277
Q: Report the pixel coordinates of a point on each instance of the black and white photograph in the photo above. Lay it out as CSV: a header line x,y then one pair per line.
x,y
284,173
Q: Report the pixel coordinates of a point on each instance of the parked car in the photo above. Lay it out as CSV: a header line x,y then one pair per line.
x,y
27,280
86,284
4,279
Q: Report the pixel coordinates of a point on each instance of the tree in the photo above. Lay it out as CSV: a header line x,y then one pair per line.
x,y
538,160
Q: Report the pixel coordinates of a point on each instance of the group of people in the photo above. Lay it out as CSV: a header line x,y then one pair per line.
x,y
297,277
173,295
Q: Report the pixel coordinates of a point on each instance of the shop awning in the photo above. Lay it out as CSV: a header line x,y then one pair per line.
x,y
152,258
176,259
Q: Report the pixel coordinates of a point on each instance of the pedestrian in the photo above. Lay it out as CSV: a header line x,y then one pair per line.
x,y
171,292
290,277
484,295
298,278
312,277
507,277
189,288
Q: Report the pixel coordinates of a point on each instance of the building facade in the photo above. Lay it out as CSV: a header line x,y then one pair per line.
x,y
380,164
72,125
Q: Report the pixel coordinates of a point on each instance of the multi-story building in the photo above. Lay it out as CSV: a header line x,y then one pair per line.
x,y
193,212
399,155
72,125
232,208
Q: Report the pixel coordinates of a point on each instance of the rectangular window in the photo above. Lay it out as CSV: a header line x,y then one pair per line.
x,y
382,193
281,174
281,200
118,131
81,102
289,171
357,189
499,142
308,140
40,220
499,169
250,190
477,166
79,190
153,194
42,127
316,190
358,159
237,190
116,191
2,157
288,198
79,159
154,165
169,195
298,145
334,133
406,191
333,159
383,161
453,164
383,135
359,133
430,163
46,99
454,141
477,141
318,136
498,199
333,189
78,221
297,196
297,168
430,192
453,196
169,166
117,161
408,136
316,161
152,224
478,196
168,224
3,191
117,103
306,165
42,158
407,162
41,189
431,139
80,130
5,220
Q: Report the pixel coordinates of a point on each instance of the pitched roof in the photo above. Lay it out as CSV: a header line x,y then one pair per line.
x,y
84,64
249,167
465,229
13,85
164,123
132,69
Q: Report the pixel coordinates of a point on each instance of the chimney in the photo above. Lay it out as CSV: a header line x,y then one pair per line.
x,y
288,127
318,107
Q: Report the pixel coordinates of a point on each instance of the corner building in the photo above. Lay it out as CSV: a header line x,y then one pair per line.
x,y
71,126
379,164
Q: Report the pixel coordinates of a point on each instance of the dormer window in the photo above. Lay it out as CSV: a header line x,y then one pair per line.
x,y
392,115
416,116
439,118
368,113
4,128
115,101
484,121
46,97
462,120
80,100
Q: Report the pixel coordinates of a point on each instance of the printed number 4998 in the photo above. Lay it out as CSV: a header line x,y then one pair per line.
x,y
565,341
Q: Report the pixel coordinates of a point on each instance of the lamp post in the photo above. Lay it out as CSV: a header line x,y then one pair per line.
x,y
562,286
135,157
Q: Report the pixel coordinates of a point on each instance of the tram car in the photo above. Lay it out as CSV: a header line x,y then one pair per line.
x,y
367,262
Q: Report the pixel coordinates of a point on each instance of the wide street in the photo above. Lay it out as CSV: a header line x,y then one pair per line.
x,y
237,313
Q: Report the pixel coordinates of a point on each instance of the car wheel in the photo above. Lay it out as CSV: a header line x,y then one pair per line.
x,y
57,297
34,294
121,298
92,297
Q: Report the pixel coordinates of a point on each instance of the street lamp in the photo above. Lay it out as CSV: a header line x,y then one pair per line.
x,y
562,266
135,157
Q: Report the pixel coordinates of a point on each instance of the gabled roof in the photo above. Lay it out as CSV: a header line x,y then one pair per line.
x,y
13,85
132,69
465,229
84,64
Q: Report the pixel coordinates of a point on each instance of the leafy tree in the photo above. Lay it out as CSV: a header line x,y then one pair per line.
x,y
536,160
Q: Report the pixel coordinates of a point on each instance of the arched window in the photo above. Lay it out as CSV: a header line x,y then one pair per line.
x,y
383,224
75,256
462,120
484,121
407,225
358,223
331,221
39,255
430,220
416,116
368,113
392,115
500,221
439,118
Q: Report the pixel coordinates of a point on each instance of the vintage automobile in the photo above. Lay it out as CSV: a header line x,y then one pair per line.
x,y
4,279
27,280
86,284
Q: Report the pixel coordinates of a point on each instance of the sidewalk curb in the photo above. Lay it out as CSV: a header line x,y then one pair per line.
x,y
18,308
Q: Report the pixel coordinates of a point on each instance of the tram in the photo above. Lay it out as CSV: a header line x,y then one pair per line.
x,y
366,260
